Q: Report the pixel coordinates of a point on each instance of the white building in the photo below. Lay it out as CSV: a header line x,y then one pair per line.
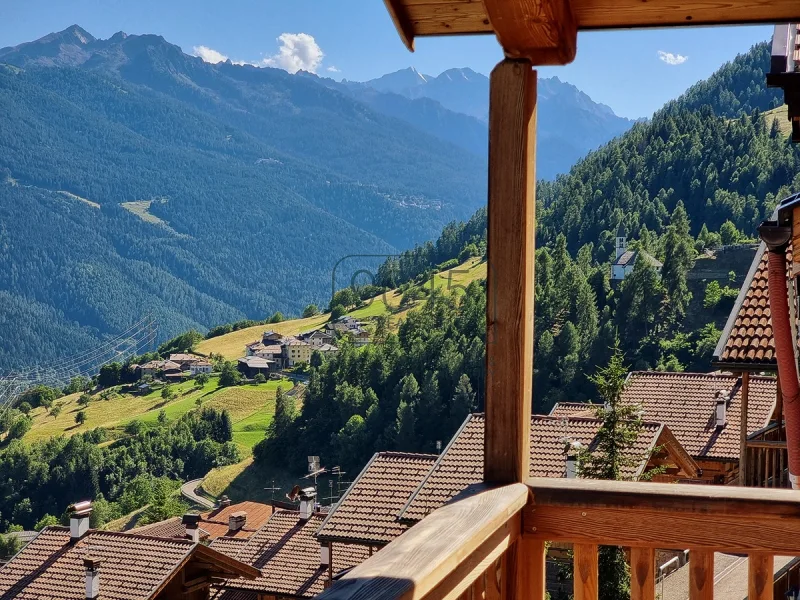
x,y
626,259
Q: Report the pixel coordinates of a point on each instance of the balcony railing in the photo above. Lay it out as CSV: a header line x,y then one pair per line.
x,y
767,464
469,548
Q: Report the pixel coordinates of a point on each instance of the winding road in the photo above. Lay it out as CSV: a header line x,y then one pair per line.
x,y
189,491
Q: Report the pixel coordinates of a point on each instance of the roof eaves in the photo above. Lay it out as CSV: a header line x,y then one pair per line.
x,y
456,435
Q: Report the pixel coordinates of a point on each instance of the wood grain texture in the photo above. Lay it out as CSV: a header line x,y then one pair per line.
x,y
510,277
743,430
587,14
448,18
720,501
585,572
701,575
413,565
480,562
759,577
643,579
529,575
543,31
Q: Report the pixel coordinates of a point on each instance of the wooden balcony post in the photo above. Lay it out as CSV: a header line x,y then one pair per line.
x,y
701,575
585,572
759,577
509,285
509,306
643,578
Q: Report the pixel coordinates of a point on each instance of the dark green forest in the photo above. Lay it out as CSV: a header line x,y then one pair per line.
x,y
262,182
698,176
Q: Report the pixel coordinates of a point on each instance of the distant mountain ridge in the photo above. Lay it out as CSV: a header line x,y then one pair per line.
x,y
136,179
570,123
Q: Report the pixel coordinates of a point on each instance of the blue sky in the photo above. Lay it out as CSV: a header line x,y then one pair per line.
x,y
356,38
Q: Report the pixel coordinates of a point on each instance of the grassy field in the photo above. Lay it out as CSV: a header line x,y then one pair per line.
x,y
232,345
780,114
251,408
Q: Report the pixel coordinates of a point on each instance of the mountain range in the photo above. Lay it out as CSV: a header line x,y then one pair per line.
x,y
570,124
137,179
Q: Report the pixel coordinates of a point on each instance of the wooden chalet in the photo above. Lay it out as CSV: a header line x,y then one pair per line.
x,y
490,540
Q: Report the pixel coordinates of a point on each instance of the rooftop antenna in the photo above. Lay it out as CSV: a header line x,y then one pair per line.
x,y
272,491
331,497
314,470
438,446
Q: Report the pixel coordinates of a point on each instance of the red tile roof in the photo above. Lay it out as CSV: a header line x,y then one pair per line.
x,y
214,524
367,513
288,555
685,402
573,409
461,464
230,546
747,338
132,566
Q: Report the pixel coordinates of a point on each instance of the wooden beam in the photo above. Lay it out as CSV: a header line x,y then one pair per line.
x,y
509,278
434,550
643,579
543,31
657,515
585,572
459,17
532,576
701,575
760,577
743,429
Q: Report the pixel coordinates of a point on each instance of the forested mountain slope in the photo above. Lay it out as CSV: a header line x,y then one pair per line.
x,y
253,183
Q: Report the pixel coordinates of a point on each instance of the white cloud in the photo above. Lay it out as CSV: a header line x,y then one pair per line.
x,y
297,51
672,59
333,69
209,54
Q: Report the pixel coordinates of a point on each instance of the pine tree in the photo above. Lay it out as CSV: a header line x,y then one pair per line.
x,y
611,457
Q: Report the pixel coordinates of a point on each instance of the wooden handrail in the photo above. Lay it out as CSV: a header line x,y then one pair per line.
x,y
445,553
766,444
658,515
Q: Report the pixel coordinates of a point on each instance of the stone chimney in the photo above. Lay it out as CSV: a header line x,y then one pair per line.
x,y
79,519
721,410
237,520
192,524
224,502
92,566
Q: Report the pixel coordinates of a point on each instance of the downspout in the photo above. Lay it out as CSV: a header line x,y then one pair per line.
x,y
777,239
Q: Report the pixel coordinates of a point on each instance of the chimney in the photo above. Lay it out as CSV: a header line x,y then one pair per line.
x,y
192,524
307,496
237,520
325,556
572,451
224,502
92,566
721,410
79,519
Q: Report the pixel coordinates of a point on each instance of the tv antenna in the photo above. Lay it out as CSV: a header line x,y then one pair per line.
x,y
272,490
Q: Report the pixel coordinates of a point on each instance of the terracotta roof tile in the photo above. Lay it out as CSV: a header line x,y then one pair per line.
x,y
572,409
288,555
132,566
461,464
230,546
685,402
367,513
747,338
214,524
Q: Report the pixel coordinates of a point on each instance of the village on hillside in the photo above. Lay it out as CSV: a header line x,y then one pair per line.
x,y
719,428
